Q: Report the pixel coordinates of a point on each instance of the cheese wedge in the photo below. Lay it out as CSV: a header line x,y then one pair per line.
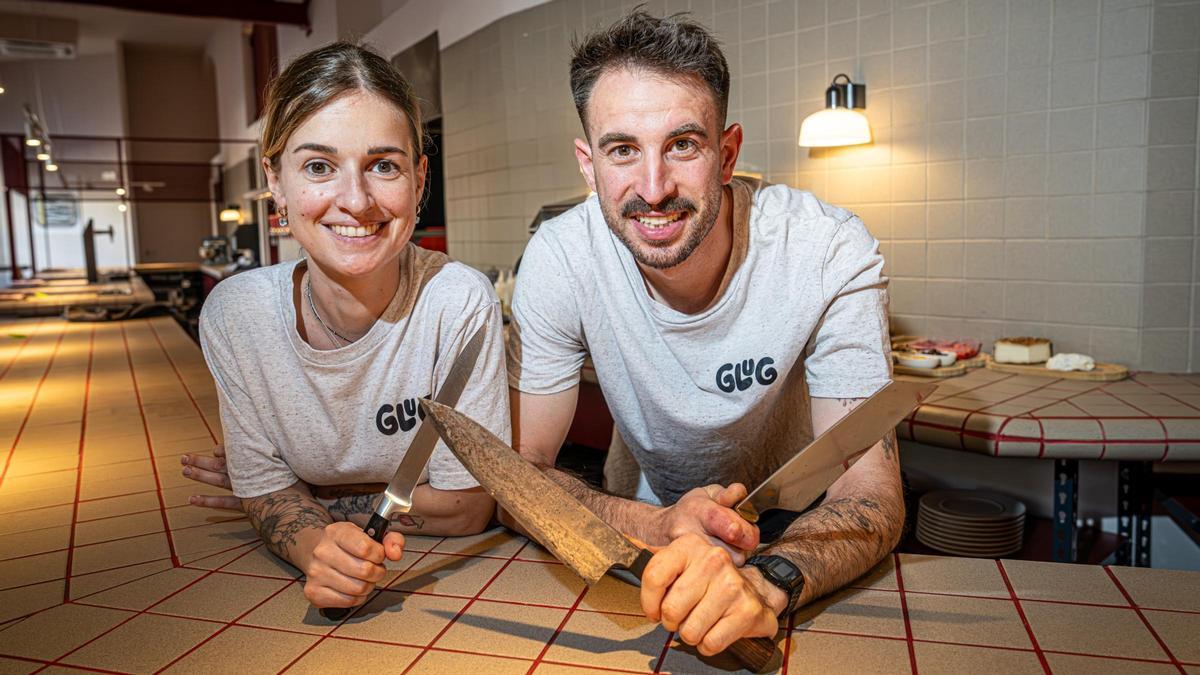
x,y
1021,350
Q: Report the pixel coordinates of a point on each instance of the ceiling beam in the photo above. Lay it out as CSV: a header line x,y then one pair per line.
x,y
255,11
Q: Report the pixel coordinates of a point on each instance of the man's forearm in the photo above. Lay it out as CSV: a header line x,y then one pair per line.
x,y
289,521
631,518
844,537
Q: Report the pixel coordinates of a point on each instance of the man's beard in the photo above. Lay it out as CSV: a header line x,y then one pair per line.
x,y
665,255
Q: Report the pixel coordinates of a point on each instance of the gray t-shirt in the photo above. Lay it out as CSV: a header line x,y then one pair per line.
x,y
718,396
346,416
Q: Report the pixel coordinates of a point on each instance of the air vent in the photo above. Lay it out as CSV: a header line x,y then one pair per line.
x,y
35,49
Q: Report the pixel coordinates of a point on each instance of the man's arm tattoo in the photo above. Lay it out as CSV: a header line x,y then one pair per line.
x,y
280,516
889,445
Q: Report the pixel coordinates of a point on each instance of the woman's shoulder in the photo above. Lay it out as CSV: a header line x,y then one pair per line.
x,y
247,295
452,285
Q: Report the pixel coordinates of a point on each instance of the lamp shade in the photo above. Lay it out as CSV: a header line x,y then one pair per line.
x,y
231,214
835,126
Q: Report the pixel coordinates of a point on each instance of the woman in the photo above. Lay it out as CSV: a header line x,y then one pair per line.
x,y
319,364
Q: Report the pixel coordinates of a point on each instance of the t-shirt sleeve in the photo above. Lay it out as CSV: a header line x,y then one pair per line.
x,y
545,342
256,467
484,399
849,354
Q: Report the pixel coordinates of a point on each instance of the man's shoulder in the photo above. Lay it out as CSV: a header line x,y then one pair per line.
x,y
777,200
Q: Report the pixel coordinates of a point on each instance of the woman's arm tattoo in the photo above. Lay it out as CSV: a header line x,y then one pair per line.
x,y
280,516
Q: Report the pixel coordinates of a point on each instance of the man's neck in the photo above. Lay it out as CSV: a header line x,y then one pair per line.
x,y
692,285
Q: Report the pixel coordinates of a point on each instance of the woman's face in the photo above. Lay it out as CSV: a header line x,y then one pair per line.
x,y
348,179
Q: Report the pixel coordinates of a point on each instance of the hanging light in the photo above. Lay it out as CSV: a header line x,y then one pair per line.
x,y
122,207
51,166
43,153
839,123
231,214
120,192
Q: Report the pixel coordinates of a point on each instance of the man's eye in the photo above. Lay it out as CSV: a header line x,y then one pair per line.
x,y
318,168
684,145
623,151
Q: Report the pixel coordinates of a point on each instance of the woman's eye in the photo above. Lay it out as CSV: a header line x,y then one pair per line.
x,y
386,166
318,168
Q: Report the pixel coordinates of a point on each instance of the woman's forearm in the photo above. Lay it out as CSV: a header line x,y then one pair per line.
x,y
434,512
290,521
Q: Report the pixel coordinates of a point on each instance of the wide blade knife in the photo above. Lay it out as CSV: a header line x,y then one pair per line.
x,y
811,471
397,497
575,535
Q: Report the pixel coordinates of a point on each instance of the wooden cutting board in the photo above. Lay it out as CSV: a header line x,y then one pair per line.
x,y
1103,372
941,371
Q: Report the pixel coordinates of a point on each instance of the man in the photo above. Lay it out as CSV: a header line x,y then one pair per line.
x,y
728,322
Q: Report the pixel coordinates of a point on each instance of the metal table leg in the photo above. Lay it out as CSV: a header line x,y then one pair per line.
x,y
1066,507
1134,502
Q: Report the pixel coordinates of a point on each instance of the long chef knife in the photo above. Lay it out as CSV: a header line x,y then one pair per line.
x,y
575,535
397,498
811,471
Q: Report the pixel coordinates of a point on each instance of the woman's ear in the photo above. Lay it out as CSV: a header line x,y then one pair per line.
x,y
273,183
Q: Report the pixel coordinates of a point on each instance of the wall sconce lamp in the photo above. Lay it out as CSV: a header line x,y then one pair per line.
x,y
231,214
839,123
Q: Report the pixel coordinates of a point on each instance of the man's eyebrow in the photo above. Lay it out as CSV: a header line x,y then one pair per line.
x,y
316,147
689,128
615,137
385,150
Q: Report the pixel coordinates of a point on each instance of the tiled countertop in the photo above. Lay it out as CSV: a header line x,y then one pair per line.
x,y
51,299
1150,416
104,566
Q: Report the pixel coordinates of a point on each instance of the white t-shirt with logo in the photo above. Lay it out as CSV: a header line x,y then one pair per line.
x,y
718,396
346,416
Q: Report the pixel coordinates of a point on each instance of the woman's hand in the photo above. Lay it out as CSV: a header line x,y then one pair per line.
x,y
346,564
210,471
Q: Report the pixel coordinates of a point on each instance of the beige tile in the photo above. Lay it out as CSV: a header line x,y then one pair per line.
x,y
498,542
413,542
1058,581
289,610
1178,631
262,562
613,595
143,645
448,574
525,630
609,640
97,489
451,663
966,620
880,577
142,593
39,499
116,506
825,653
253,650
87,584
118,527
197,542
221,558
938,659
404,618
32,569
1070,664
1160,589
119,553
16,667
534,551
25,600
682,658
1091,630
36,519
536,583
965,576
221,597
558,669
860,611
352,657
182,517
56,631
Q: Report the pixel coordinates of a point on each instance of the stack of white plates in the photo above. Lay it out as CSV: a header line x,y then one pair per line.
x,y
971,523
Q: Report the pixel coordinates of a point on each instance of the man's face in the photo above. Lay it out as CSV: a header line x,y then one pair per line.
x,y
658,159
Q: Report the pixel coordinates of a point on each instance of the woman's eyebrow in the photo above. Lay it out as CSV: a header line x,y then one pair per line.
x,y
385,150
316,147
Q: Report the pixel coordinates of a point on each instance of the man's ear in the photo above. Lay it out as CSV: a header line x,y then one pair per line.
x,y
583,153
731,145
273,184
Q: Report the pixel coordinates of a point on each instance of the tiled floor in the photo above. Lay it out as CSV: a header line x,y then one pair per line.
x,y
104,567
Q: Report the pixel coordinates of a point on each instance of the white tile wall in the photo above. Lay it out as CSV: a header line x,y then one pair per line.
x,y
1034,166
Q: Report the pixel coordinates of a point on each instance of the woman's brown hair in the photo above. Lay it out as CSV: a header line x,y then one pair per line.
x,y
318,77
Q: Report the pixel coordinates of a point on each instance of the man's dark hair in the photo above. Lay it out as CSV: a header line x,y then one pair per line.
x,y
672,45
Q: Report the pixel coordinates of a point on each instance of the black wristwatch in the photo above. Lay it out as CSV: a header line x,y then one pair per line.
x,y
784,574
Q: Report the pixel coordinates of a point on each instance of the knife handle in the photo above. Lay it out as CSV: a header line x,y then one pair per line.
x,y
376,528
756,654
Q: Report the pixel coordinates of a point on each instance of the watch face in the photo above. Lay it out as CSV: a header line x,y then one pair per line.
x,y
781,570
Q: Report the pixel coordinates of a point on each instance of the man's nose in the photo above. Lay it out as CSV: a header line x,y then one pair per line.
x,y
657,184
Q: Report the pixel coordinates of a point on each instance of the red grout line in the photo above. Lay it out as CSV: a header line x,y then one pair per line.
x,y
109,541
662,656
179,375
908,636
87,391
1049,441
162,505
1024,620
787,643
557,631
1166,434
464,609
20,349
1145,621
33,400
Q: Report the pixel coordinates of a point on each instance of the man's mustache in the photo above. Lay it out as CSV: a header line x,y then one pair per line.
x,y
639,205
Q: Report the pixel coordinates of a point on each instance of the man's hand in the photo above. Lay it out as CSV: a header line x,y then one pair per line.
x,y
708,512
346,564
210,471
693,588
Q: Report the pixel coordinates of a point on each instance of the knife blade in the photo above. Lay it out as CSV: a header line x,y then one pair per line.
x,y
809,473
397,497
575,535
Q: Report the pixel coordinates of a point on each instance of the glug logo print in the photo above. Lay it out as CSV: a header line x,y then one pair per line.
x,y
740,375
401,417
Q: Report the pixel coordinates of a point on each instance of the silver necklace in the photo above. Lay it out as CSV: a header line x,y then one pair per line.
x,y
333,335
